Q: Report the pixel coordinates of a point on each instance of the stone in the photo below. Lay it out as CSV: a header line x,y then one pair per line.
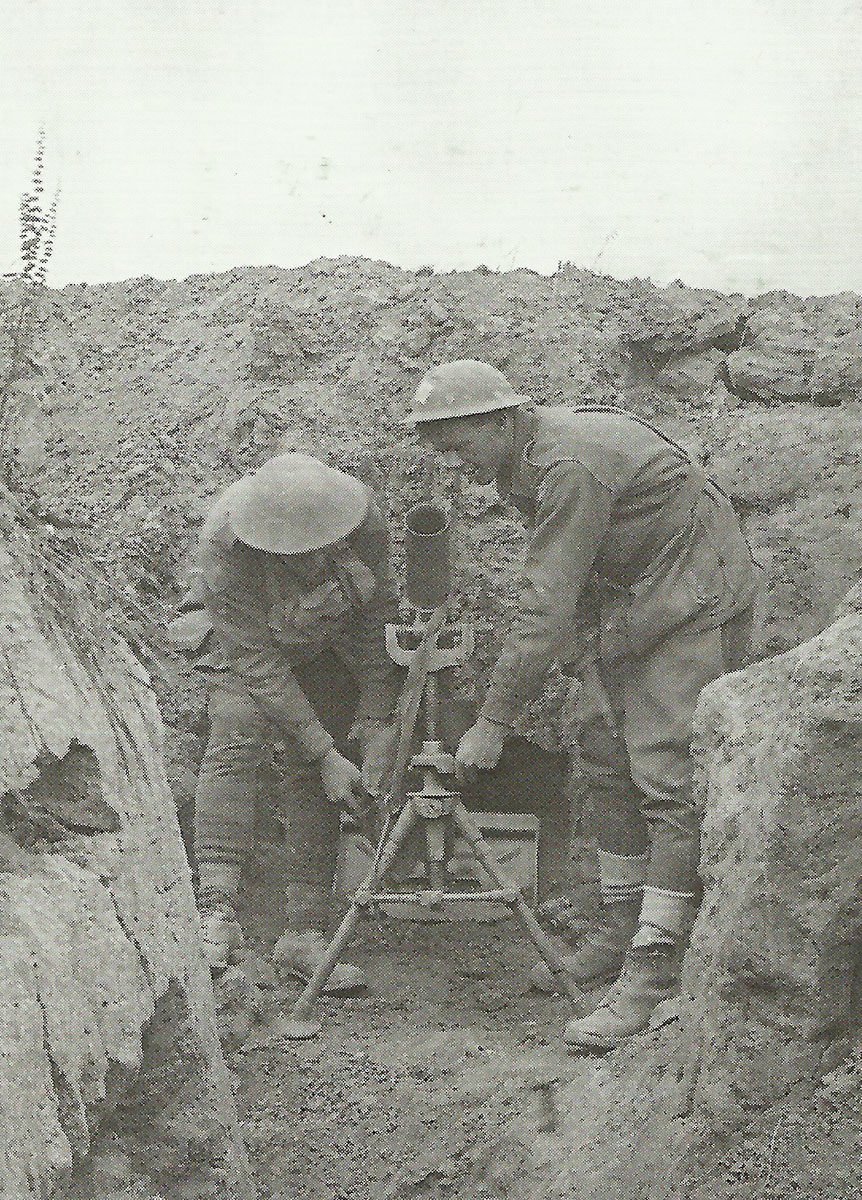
x,y
103,987
662,324
771,981
785,357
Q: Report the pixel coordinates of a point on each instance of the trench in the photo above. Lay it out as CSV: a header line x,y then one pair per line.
x,y
410,1082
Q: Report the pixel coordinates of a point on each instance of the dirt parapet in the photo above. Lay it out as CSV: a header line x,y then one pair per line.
x,y
106,1005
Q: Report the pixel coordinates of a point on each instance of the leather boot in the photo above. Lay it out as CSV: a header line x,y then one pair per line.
x,y
601,952
300,949
651,975
299,954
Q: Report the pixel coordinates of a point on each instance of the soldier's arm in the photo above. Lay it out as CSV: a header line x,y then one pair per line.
x,y
252,657
379,682
573,516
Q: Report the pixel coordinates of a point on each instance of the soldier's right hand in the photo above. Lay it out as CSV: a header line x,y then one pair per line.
x,y
341,779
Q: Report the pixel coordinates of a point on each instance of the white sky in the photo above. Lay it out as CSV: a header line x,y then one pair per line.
x,y
719,141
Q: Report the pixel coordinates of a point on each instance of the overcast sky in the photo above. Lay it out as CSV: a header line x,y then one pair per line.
x,y
713,140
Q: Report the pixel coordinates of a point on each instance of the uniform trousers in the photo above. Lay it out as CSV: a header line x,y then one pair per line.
x,y
226,796
635,724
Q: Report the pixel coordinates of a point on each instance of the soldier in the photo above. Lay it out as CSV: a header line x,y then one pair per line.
x,y
286,618
639,580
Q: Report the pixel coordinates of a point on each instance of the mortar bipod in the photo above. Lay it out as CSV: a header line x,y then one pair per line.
x,y
452,646
438,806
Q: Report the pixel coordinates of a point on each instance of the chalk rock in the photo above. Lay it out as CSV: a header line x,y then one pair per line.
x,y
679,320
106,1004
785,356
771,980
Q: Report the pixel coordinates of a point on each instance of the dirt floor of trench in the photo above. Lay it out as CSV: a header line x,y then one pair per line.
x,y
410,1083
430,1085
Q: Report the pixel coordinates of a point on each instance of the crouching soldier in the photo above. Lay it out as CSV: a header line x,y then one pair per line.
x,y
639,580
292,584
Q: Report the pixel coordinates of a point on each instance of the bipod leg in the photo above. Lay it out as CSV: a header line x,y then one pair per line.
x,y
518,905
298,1023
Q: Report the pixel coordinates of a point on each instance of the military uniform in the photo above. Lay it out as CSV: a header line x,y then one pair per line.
x,y
288,644
637,576
638,580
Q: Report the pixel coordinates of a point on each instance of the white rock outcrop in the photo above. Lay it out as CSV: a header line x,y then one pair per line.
x,y
772,982
784,356
108,1043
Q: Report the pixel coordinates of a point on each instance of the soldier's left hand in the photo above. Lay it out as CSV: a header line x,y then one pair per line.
x,y
479,749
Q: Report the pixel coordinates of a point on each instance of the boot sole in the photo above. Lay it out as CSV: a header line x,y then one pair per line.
x,y
596,1043
328,989
597,1046
586,1042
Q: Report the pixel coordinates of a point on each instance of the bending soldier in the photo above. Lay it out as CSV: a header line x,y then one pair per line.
x,y
292,585
639,580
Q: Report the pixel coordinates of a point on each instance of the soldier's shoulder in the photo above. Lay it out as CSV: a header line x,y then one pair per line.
x,y
606,441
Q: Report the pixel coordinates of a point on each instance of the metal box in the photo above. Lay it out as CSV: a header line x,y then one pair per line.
x,y
513,840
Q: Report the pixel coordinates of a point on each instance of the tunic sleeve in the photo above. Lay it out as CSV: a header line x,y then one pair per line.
x,y
572,518
252,658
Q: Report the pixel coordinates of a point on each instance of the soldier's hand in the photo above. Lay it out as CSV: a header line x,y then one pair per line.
x,y
341,779
479,749
379,744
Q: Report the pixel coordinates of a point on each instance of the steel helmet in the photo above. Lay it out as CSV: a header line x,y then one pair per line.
x,y
295,503
461,389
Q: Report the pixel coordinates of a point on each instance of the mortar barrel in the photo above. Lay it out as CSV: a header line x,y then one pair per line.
x,y
428,575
